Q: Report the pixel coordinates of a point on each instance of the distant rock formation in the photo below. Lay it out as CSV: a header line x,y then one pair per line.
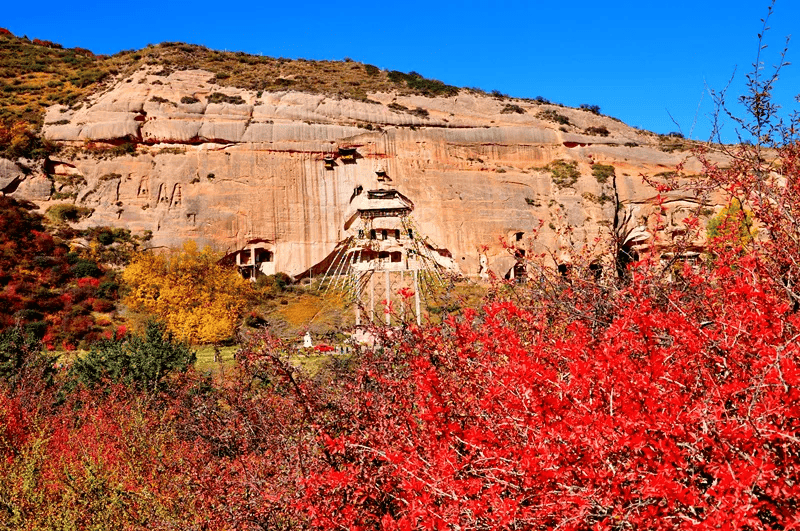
x,y
187,159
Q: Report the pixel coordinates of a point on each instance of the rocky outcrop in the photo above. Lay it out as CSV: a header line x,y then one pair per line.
x,y
10,176
187,159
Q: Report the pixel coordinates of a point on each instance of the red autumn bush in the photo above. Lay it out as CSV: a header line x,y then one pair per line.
x,y
568,404
625,403
38,287
680,409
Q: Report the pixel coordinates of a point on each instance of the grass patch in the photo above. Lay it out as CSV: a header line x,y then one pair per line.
x,y
36,74
553,116
602,172
219,97
510,108
205,358
442,301
564,173
597,131
67,212
290,312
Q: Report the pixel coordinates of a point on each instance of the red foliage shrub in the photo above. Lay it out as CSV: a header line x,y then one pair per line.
x,y
38,277
680,409
102,306
632,403
88,282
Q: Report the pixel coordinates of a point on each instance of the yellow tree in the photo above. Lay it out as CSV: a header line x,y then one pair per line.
x,y
199,300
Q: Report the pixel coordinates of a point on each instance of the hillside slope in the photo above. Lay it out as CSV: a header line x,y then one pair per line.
x,y
228,148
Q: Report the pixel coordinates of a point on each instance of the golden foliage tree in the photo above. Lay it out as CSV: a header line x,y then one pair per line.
x,y
199,300
732,224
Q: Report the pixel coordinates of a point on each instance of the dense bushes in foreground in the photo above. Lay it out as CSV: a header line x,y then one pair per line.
x,y
574,404
666,397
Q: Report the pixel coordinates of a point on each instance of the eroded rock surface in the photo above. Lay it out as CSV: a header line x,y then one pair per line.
x,y
224,166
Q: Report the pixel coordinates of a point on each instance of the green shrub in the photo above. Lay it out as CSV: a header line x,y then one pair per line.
x,y
188,100
219,97
105,237
421,85
60,196
564,173
140,361
602,172
21,351
275,283
597,131
67,212
126,148
86,268
159,99
553,116
510,108
734,222
594,109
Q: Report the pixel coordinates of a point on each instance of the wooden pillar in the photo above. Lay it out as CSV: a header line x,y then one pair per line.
x,y
416,295
372,297
401,285
388,299
358,299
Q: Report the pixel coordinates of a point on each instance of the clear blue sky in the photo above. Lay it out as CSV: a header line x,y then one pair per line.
x,y
639,61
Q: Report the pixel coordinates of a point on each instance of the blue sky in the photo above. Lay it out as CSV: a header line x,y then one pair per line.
x,y
639,61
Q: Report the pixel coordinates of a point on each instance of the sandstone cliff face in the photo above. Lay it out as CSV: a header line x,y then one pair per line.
x,y
223,166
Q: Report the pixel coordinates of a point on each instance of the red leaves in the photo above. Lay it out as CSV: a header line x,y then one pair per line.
x,y
654,406
668,414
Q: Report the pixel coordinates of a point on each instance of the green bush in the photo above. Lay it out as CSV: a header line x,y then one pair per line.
x,y
219,97
421,85
108,290
594,109
21,351
553,116
597,131
188,100
86,268
67,212
734,222
602,172
564,173
105,237
159,99
275,283
510,108
142,361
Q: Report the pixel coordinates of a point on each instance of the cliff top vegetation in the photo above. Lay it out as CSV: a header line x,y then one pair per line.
x,y
35,74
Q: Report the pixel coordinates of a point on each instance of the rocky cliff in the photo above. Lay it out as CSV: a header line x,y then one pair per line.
x,y
179,155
